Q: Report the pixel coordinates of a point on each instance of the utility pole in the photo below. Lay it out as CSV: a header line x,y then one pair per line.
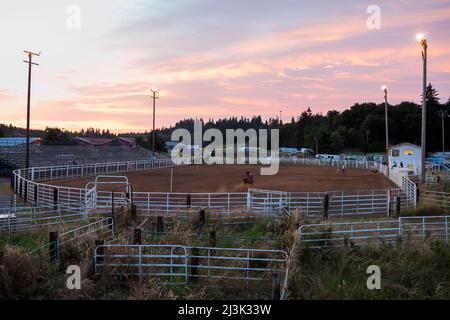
x,y
387,128
30,63
423,43
154,97
280,118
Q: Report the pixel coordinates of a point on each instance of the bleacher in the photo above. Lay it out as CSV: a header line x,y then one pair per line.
x,y
45,155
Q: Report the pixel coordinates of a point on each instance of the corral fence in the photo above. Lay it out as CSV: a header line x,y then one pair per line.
x,y
365,233
7,203
331,203
435,198
185,264
26,218
26,185
75,238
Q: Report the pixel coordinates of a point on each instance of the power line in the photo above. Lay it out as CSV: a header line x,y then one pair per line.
x,y
30,63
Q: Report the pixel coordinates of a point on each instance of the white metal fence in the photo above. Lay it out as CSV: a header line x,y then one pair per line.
x,y
28,185
364,233
183,264
435,198
22,219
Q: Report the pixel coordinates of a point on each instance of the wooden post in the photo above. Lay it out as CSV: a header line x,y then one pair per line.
x,y
202,218
276,288
212,238
188,201
54,247
194,261
25,195
137,236
398,206
159,224
55,199
417,193
326,203
35,197
133,213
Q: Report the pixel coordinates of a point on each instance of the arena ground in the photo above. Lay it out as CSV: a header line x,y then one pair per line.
x,y
229,178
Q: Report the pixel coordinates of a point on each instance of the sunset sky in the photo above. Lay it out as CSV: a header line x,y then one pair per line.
x,y
213,59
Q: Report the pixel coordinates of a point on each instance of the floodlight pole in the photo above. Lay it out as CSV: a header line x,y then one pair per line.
x,y
30,63
423,43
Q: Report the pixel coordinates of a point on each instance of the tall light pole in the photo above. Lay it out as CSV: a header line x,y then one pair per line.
x,y
384,88
423,42
154,97
30,63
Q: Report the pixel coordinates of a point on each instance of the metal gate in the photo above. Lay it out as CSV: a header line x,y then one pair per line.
x,y
267,201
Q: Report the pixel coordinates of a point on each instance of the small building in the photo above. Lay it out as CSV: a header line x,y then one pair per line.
x,y
405,157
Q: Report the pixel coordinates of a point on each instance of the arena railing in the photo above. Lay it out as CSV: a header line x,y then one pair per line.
x,y
28,185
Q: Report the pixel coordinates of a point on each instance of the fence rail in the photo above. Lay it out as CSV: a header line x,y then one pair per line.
x,y
435,198
371,232
183,264
22,219
28,185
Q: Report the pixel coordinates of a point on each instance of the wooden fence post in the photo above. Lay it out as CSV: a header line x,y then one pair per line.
x,y
55,199
53,249
202,217
194,261
137,237
188,201
276,287
326,204
212,238
25,195
35,197
159,224
133,213
398,206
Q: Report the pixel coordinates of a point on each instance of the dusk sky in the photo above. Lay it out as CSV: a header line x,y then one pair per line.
x,y
213,59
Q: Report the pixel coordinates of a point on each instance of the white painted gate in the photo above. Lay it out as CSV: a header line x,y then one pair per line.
x,y
267,201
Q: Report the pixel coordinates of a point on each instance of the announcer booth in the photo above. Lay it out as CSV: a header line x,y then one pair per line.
x,y
405,157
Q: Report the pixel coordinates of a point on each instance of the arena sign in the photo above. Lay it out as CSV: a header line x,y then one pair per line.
x,y
238,147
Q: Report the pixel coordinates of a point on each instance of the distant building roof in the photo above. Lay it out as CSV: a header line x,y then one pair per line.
x,y
129,140
406,144
11,142
94,141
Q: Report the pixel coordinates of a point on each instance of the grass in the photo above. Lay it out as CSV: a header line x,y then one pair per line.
x,y
424,211
407,272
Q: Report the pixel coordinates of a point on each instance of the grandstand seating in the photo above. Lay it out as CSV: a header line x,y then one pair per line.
x,y
45,155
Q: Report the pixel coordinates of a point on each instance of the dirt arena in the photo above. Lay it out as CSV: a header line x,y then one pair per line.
x,y
229,178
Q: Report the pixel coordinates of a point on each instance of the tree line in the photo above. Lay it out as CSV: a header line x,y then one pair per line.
x,y
359,128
